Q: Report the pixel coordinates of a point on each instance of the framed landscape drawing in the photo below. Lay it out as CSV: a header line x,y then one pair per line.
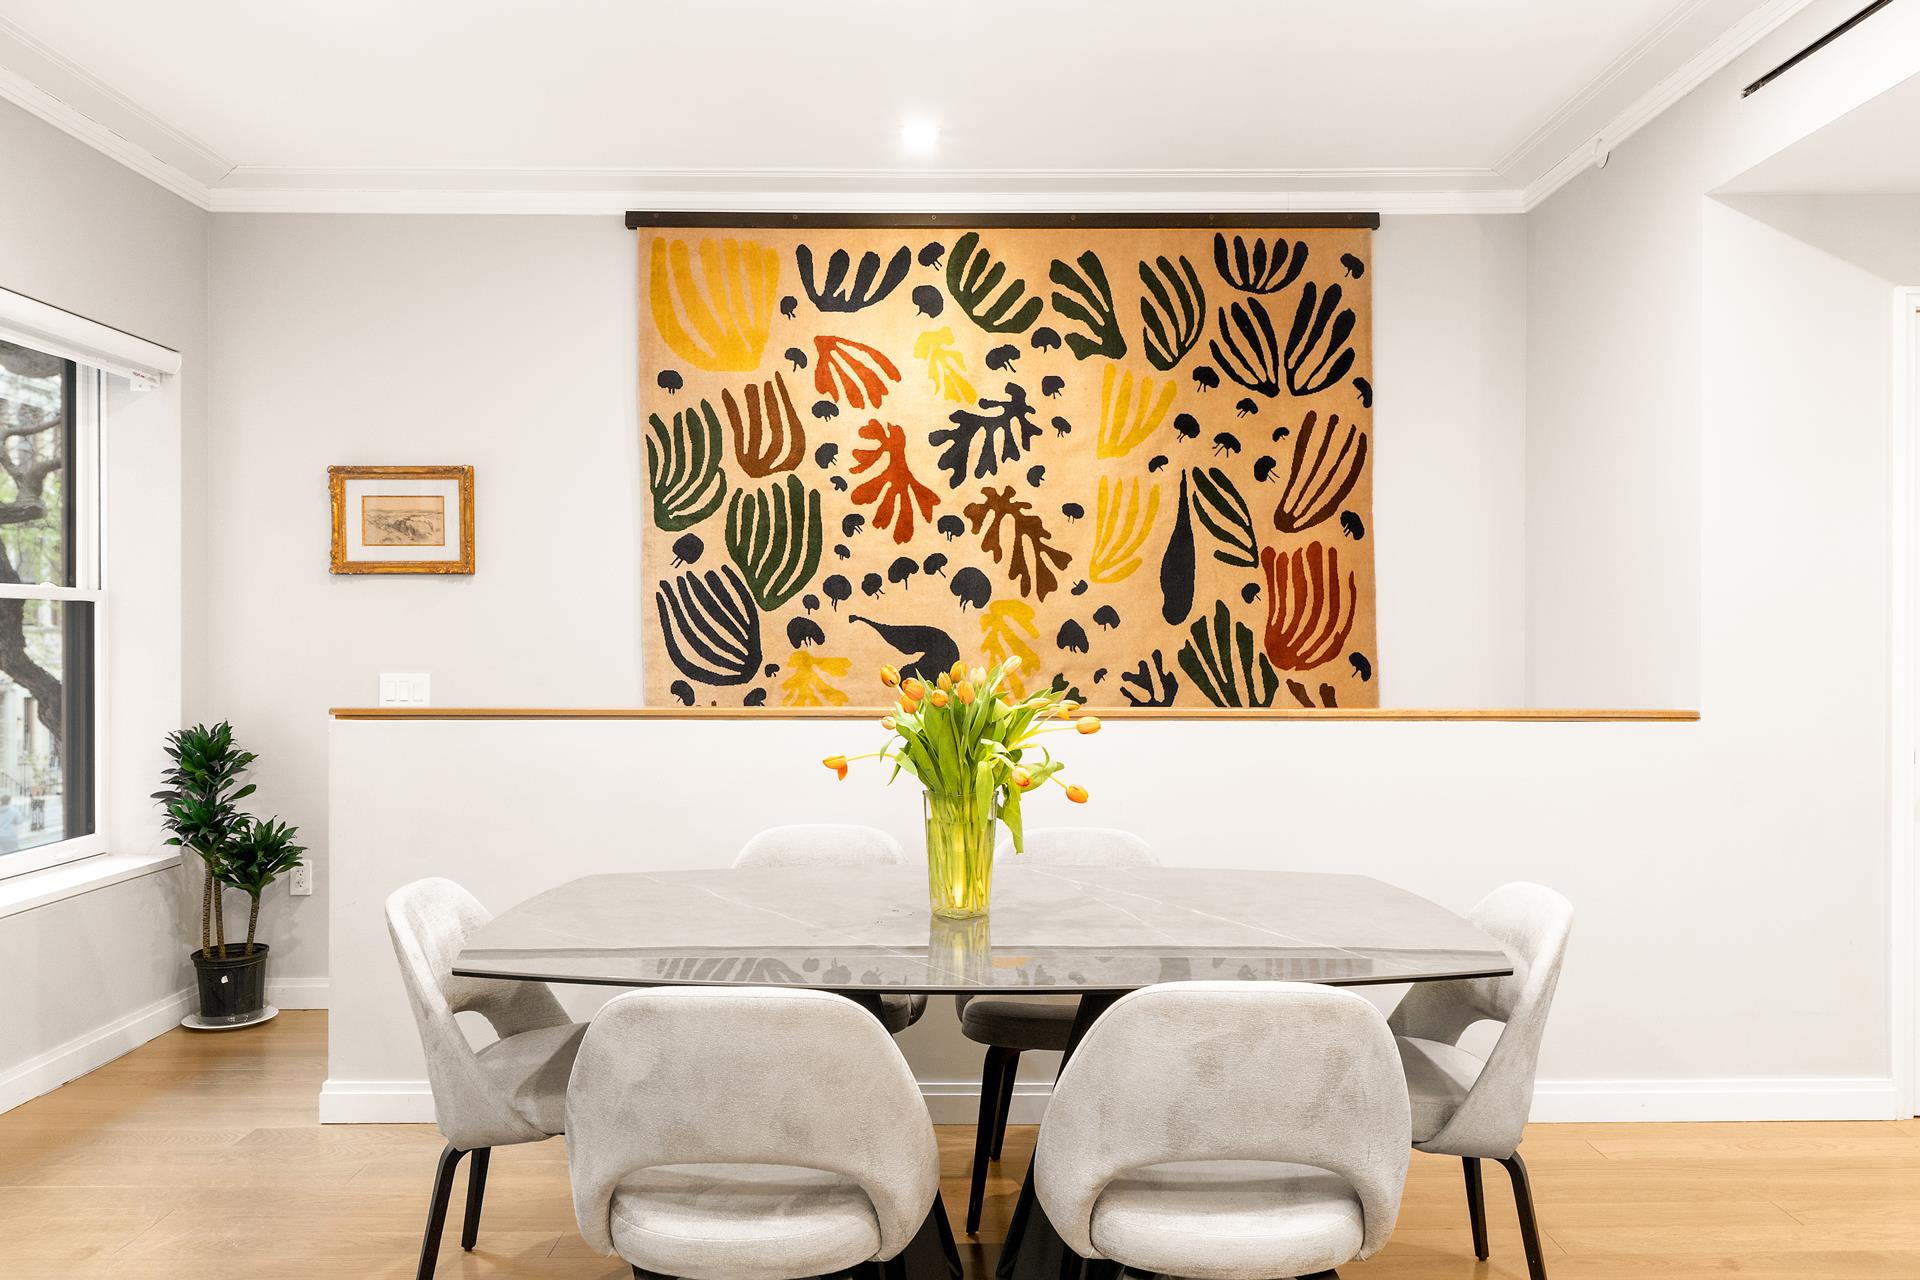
x,y
1135,451
402,519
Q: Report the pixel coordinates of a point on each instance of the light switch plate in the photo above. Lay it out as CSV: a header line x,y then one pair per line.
x,y
405,689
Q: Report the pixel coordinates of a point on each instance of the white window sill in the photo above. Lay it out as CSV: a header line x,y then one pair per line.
x,y
39,888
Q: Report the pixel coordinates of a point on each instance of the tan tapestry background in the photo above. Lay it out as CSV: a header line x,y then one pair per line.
x,y
1137,458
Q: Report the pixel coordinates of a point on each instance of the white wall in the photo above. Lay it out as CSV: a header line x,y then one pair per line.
x,y
1616,326
91,976
508,343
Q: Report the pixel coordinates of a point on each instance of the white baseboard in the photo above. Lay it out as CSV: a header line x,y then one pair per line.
x,y
1554,1101
1818,1098
376,1102
50,1070
297,993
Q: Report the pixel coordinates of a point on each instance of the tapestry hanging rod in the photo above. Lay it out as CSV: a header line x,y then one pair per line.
x,y
637,218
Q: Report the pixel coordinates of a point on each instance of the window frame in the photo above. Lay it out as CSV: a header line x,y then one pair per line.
x,y
87,524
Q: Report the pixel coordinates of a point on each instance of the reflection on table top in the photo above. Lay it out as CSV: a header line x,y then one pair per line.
x,y
1054,929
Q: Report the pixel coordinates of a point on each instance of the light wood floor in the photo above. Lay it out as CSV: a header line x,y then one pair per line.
x,y
198,1157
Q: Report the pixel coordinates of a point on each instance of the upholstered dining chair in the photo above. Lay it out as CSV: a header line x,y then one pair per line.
x,y
748,1133
1478,1110
1228,1131
833,844
1010,1025
511,1091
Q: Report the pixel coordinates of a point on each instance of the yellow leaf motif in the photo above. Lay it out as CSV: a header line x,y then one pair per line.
x,y
729,306
1123,422
945,365
808,685
1005,628
1120,527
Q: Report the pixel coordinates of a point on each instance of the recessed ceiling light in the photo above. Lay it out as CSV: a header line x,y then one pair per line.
x,y
920,136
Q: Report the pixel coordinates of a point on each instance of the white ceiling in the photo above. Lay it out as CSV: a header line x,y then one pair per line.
x,y
321,104
1872,150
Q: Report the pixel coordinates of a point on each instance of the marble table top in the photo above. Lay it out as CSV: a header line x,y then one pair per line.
x,y
1054,929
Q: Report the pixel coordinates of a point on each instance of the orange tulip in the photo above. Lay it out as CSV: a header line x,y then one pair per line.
x,y
938,698
1089,725
1077,794
889,677
838,764
945,681
966,692
913,688
908,706
1021,778
886,722
959,672
1068,707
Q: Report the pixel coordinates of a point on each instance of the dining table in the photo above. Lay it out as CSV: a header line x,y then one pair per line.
x,y
1093,932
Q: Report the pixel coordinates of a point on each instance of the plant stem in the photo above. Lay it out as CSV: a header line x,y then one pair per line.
x,y
220,922
253,921
206,914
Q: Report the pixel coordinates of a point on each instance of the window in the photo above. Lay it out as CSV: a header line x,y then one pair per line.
x,y
50,599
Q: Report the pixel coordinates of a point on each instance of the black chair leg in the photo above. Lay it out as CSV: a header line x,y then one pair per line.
x,y
1322,1275
1529,1227
1476,1206
990,1090
437,1211
1008,1077
476,1193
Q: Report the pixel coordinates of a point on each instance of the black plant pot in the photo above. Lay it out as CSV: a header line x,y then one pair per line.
x,y
232,990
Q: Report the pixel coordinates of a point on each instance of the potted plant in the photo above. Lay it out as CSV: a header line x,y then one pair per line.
x,y
971,738
201,795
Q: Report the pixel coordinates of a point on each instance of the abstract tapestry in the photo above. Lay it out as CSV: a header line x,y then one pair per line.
x,y
1138,458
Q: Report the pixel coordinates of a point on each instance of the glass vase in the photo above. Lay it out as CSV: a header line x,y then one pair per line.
x,y
960,853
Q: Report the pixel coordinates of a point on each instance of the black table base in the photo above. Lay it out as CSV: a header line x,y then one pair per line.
x,y
1034,1250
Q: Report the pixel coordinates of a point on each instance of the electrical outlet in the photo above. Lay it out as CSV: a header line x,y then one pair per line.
x,y
300,882
403,689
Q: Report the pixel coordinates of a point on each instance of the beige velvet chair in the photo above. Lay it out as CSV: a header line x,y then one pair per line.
x,y
512,1091
748,1134
830,844
1010,1025
1476,1110
1228,1131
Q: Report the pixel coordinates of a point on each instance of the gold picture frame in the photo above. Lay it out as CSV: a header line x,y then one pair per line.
x,y
380,512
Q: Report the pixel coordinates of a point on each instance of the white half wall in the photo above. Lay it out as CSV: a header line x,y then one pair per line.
x,y
1677,1001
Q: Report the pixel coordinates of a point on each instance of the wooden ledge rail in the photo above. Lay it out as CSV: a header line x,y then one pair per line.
x,y
1557,715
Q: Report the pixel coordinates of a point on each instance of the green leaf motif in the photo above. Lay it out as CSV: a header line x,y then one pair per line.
x,y
1174,311
1226,515
774,535
1091,305
973,275
683,468
1221,661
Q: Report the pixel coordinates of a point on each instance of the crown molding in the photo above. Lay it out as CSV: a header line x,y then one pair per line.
x,y
691,197
23,93
1583,102
1649,106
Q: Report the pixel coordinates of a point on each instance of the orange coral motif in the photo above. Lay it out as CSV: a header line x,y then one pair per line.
x,y
894,486
851,371
1307,623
